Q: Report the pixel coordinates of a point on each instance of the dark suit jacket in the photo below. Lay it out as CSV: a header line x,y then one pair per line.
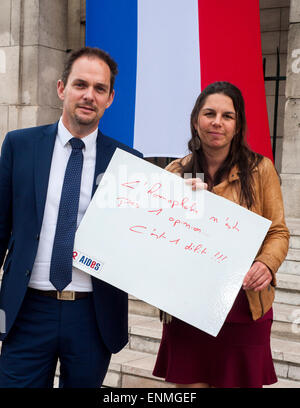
x,y
24,172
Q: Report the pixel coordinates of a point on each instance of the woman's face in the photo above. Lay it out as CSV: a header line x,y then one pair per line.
x,y
216,123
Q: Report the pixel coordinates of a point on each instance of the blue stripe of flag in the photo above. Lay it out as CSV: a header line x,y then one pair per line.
x,y
112,26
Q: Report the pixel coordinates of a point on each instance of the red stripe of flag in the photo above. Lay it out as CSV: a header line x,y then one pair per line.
x,y
230,50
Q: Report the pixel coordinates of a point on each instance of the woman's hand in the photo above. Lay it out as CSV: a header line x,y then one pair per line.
x,y
196,183
258,277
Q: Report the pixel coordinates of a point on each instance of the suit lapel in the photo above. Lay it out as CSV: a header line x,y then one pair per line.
x,y
105,150
43,157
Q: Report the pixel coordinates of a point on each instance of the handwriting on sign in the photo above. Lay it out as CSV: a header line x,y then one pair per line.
x,y
220,257
121,201
183,203
155,191
131,184
172,236
228,224
176,221
232,226
192,247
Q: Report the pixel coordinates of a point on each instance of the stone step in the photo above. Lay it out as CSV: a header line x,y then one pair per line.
x,y
282,383
286,350
293,225
288,297
286,313
133,369
286,324
294,242
138,307
286,307
286,357
293,254
144,333
290,267
288,289
288,282
282,330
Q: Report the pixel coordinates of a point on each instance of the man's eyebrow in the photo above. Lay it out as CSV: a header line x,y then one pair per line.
x,y
79,80
82,81
102,85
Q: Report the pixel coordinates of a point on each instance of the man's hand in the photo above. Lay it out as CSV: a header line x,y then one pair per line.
x,y
258,277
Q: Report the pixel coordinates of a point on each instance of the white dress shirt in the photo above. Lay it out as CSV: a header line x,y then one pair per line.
x,y
81,281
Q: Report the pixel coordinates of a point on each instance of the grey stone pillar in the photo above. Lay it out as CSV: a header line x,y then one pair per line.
x,y
76,24
291,143
33,44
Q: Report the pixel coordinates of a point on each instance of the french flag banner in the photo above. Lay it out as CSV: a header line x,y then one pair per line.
x,y
167,52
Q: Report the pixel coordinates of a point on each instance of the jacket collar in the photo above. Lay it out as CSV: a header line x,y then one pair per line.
x,y
233,174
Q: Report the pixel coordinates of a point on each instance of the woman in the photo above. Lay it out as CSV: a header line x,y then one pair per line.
x,y
240,355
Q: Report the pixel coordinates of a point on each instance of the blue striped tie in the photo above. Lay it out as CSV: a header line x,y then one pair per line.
x,y
62,252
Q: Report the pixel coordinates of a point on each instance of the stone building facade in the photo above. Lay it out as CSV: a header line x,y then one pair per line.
x,y
35,37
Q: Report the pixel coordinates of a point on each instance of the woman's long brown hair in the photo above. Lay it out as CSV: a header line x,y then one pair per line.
x,y
239,153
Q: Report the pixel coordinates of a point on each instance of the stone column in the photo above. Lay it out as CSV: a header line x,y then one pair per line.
x,y
33,44
76,24
291,143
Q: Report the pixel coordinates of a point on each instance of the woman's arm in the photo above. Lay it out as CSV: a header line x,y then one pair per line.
x,y
275,246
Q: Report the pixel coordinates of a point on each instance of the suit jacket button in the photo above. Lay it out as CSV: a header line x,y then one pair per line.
x,y
37,236
27,273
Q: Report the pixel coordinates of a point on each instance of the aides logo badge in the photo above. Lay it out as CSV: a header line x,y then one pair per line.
x,y
85,262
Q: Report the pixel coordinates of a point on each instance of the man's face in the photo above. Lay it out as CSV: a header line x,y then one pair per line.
x,y
86,95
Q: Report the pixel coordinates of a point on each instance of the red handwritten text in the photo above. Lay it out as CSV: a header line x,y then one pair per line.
x,y
192,247
129,184
121,201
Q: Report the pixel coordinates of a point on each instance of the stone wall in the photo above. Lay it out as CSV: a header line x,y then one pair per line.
x,y
35,36
291,142
274,25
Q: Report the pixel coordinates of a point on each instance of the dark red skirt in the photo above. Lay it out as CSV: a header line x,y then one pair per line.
x,y
240,356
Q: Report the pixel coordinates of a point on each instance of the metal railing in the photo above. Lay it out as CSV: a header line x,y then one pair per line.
x,y
277,78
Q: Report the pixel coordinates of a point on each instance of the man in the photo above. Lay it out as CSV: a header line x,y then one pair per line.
x,y
47,177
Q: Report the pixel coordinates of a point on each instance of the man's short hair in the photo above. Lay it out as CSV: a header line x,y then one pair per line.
x,y
91,52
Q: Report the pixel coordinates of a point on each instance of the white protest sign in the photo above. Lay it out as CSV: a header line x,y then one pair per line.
x,y
146,232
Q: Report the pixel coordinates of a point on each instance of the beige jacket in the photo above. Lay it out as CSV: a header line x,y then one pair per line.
x,y
269,204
